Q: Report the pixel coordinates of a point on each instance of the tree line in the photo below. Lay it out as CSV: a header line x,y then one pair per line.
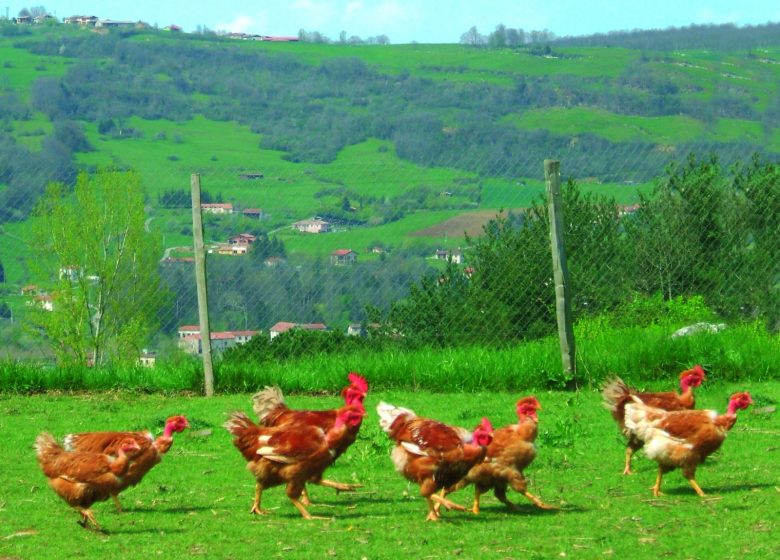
x,y
311,113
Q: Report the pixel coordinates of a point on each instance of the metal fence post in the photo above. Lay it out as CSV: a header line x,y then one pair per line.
x,y
200,280
552,176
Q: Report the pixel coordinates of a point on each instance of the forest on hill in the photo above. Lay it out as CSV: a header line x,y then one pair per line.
x,y
311,111
388,140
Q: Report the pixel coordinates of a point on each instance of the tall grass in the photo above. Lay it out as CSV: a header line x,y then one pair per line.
x,y
638,354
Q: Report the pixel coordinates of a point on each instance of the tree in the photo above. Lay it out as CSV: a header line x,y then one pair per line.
x,y
2,272
102,264
472,37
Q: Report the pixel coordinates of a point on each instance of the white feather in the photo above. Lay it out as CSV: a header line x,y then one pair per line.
x,y
388,413
412,448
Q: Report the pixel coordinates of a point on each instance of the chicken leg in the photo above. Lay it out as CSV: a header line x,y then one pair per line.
x,y
339,486
88,520
117,503
657,486
304,512
256,509
690,474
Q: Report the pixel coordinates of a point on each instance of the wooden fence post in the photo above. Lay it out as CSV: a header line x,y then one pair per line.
x,y
200,281
552,176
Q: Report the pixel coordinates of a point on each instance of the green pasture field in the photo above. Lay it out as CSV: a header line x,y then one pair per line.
x,y
196,502
396,235
621,128
20,68
465,64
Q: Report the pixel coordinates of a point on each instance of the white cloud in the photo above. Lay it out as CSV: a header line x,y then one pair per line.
x,y
240,24
710,16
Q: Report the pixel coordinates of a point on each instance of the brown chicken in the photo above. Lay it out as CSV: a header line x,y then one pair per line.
x,y
510,452
683,438
616,394
269,406
291,454
82,478
432,454
151,449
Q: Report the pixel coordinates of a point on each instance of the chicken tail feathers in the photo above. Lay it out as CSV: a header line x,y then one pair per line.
x,y
47,450
238,423
613,391
263,402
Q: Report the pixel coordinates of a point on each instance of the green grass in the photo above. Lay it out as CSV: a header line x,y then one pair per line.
x,y
20,68
622,128
465,64
636,353
196,502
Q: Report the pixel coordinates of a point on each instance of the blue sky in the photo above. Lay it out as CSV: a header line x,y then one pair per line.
x,y
424,21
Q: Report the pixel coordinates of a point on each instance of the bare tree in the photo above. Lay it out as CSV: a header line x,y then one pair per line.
x,y
472,37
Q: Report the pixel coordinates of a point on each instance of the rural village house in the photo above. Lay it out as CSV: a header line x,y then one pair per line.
x,y
254,213
228,249
312,226
147,359
190,340
242,239
217,208
284,326
341,257
443,255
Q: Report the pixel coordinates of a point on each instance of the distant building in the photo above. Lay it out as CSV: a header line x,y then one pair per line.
x,y
220,341
147,359
228,249
83,21
217,208
114,24
254,213
312,226
278,39
242,239
341,257
284,326
250,176
444,255
42,301
71,273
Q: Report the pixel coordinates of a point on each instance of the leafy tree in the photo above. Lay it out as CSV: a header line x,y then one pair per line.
x,y
754,288
5,311
102,264
679,233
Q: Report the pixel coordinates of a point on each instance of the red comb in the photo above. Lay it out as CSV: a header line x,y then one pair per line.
x,y
486,425
358,381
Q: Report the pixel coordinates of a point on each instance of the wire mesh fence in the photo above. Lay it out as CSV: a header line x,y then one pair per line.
x,y
375,244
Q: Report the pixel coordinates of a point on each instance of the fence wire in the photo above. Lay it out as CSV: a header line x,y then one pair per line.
x,y
450,251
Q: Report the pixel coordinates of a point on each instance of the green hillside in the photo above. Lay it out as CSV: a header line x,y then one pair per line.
x,y
402,146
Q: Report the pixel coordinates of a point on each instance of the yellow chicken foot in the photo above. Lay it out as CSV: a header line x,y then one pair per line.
x,y
340,486
446,503
117,503
304,512
433,512
539,503
475,505
88,520
696,487
256,509
657,486
629,453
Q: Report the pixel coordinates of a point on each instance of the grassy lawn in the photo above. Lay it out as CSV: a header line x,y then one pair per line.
x,y
196,502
